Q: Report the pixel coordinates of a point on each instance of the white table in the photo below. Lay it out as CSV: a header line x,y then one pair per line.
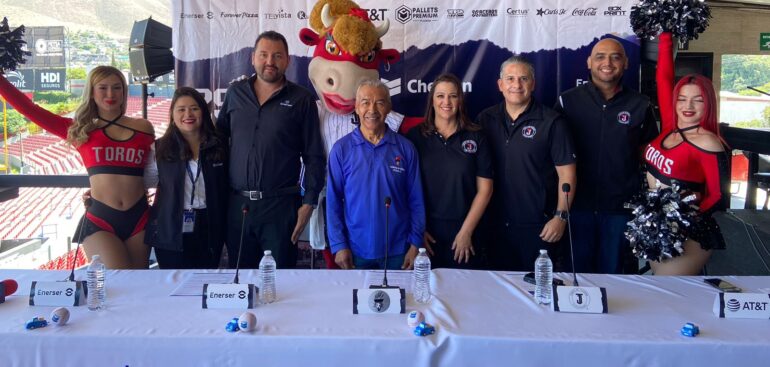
x,y
481,318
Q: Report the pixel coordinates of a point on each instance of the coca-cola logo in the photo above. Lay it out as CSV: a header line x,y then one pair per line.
x,y
587,12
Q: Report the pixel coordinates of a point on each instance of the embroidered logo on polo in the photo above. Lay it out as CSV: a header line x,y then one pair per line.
x,y
528,132
624,117
286,103
396,166
469,146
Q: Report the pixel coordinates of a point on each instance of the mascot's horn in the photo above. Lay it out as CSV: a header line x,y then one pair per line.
x,y
382,28
326,18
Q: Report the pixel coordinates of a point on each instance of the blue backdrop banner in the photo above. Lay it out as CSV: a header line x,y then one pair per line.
x,y
213,40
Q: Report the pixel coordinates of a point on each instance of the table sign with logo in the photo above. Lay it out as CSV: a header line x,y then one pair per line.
x,y
579,299
379,300
61,294
240,296
742,305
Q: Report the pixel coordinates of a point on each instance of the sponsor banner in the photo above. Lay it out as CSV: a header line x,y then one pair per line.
x,y
213,40
22,79
46,45
50,79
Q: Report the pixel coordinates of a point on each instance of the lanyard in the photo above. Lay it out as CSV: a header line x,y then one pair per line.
x,y
193,180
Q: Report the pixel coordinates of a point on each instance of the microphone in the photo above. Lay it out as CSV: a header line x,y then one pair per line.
x,y
565,187
245,210
387,243
7,288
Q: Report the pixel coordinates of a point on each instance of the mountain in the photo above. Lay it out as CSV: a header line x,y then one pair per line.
x,y
111,17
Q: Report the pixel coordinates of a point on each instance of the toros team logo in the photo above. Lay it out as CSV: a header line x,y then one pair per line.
x,y
624,118
469,146
528,132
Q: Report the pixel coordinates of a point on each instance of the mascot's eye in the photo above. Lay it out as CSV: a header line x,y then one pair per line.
x,y
332,48
369,57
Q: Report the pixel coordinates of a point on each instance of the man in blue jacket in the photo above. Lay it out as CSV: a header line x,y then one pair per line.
x,y
365,167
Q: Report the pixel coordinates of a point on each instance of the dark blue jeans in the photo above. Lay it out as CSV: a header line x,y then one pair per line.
x,y
599,241
394,262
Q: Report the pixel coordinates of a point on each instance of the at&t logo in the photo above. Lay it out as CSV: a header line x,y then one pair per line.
x,y
376,14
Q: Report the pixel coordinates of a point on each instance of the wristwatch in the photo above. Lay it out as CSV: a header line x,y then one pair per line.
x,y
561,214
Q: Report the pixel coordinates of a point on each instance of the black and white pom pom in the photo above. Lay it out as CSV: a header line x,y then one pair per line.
x,y
685,19
661,220
11,46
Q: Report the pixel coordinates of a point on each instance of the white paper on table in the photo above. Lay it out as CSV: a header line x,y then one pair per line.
x,y
400,278
193,285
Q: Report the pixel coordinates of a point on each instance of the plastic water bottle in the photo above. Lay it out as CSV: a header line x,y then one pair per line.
x,y
422,277
267,278
543,278
95,283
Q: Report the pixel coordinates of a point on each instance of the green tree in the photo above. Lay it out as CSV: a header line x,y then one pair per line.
x,y
76,73
740,71
15,121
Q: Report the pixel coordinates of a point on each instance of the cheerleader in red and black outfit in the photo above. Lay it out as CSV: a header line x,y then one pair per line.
x,y
115,149
690,151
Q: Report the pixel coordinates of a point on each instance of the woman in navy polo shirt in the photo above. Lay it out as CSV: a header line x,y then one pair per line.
x,y
456,167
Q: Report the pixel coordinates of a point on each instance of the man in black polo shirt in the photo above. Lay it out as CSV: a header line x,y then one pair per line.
x,y
533,157
611,125
273,128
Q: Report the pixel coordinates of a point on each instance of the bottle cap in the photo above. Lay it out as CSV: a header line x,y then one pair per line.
x,y
95,257
544,251
268,252
422,250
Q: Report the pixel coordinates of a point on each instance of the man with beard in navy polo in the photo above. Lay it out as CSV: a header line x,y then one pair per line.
x,y
533,156
611,125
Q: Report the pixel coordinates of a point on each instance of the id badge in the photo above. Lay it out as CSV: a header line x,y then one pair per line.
x,y
188,221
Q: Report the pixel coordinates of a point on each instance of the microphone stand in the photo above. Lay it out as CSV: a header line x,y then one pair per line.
x,y
245,210
71,278
566,189
387,245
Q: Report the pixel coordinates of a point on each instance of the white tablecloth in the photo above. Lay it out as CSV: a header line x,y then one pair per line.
x,y
481,318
